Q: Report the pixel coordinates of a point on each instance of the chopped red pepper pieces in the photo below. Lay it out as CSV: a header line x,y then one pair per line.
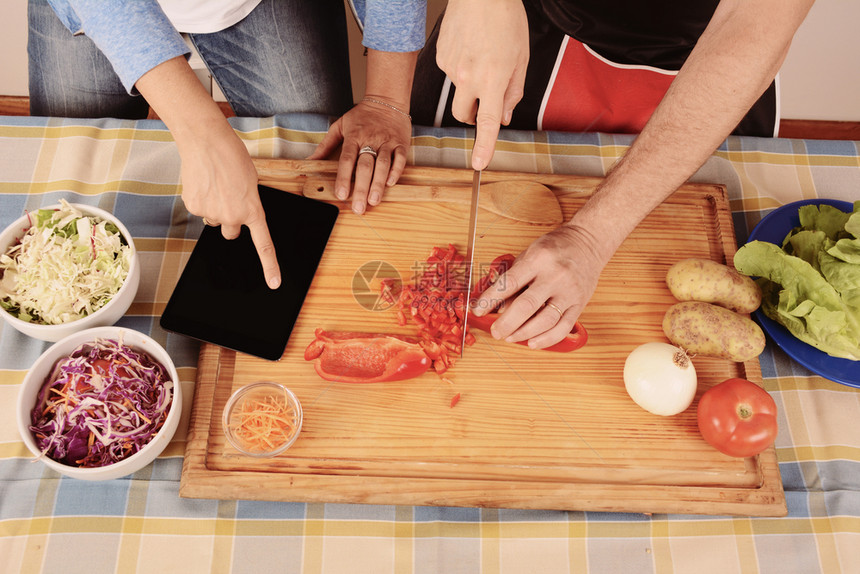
x,y
436,303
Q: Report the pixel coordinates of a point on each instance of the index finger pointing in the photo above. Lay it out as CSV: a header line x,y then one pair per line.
x,y
488,122
266,251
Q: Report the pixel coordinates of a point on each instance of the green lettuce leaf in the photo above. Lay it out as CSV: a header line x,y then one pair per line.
x,y
831,220
812,285
848,248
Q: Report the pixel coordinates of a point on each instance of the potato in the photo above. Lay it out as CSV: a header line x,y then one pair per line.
x,y
705,280
707,329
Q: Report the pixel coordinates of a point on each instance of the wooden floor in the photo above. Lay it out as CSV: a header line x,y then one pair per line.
x,y
800,129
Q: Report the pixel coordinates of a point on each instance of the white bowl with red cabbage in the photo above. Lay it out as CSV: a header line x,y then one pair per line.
x,y
100,404
65,268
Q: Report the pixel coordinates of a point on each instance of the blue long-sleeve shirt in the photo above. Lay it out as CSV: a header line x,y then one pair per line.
x,y
137,36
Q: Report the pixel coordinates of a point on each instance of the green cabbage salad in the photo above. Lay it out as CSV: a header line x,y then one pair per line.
x,y
66,266
811,284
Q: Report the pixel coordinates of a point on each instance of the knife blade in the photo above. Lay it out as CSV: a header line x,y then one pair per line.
x,y
470,250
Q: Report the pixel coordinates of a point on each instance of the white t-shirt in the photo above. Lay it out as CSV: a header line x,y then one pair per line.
x,y
205,16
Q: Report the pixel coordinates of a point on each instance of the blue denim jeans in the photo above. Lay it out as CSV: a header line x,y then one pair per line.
x,y
285,56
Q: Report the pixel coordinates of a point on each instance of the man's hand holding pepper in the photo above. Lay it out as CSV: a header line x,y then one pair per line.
x,y
546,289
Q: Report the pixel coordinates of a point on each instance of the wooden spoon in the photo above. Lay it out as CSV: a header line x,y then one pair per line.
x,y
527,201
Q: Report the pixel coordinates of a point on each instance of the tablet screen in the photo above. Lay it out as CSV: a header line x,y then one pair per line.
x,y
222,297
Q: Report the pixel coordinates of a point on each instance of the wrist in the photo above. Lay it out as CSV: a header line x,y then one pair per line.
x,y
604,223
180,100
593,243
378,101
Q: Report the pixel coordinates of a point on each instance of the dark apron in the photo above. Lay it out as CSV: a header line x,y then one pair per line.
x,y
593,72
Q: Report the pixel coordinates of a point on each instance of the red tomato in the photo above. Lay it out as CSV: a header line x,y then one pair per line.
x,y
737,417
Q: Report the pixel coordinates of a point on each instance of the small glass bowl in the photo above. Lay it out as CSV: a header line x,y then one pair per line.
x,y
274,403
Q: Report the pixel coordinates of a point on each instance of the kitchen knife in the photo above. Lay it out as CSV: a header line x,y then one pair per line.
x,y
470,250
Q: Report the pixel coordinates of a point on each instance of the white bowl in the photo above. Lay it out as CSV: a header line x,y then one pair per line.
x,y
107,315
41,369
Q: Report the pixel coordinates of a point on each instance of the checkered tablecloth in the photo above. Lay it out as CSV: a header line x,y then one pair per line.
x,y
140,524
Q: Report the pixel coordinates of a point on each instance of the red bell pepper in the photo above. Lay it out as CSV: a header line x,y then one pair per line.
x,y
366,357
573,341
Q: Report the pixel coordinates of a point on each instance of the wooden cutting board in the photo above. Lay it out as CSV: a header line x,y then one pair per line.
x,y
533,429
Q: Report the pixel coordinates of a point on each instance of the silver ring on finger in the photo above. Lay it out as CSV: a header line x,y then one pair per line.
x,y
367,149
556,308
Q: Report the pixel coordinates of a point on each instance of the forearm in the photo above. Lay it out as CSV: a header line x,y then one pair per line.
x,y
181,101
733,63
390,76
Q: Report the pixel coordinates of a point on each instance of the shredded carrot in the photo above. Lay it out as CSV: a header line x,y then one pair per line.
x,y
264,425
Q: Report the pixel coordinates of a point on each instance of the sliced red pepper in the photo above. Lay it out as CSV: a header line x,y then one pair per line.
x,y
351,357
574,340
435,302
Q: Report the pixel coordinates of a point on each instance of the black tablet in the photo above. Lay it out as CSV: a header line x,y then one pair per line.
x,y
222,297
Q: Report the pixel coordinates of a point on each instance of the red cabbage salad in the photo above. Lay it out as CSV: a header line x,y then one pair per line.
x,y
66,266
101,404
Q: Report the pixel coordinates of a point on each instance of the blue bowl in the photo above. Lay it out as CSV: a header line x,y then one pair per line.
x,y
773,228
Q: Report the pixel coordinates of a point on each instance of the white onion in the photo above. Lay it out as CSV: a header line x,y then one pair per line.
x,y
660,378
